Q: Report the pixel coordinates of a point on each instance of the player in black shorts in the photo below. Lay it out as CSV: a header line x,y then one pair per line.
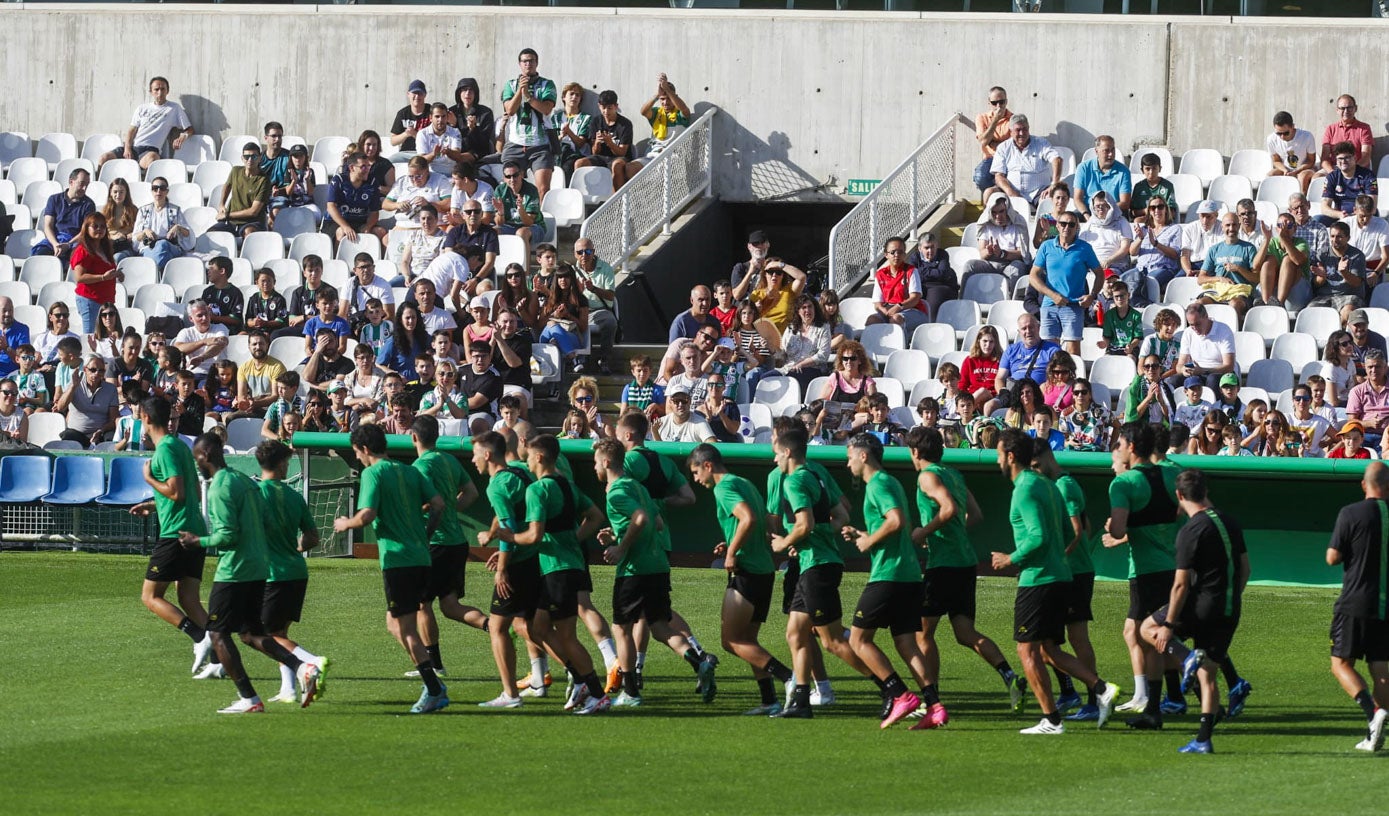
x,y
1204,604
1360,620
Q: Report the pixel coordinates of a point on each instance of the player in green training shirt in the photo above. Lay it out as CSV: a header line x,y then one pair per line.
x,y
177,502
389,498
747,558
805,515
1039,613
893,595
1078,615
289,533
951,572
558,516
448,551
641,590
516,570
238,587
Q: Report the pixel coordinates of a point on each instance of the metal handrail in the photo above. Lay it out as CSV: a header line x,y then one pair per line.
x,y
651,199
899,203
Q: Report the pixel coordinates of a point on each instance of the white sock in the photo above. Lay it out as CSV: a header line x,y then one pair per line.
x,y
286,680
537,672
307,656
1140,687
694,644
609,651
824,687
641,660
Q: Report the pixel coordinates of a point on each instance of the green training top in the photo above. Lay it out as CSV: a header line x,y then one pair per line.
x,y
646,556
894,558
238,533
446,474
755,555
801,490
506,492
634,465
173,458
1039,539
286,516
1077,559
397,492
559,548
948,546
1152,548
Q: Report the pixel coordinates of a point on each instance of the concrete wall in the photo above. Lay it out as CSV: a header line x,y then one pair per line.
x,y
808,95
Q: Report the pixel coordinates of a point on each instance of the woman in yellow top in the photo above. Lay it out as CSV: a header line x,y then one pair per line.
x,y
774,290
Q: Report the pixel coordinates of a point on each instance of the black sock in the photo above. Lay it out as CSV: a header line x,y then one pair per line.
x,y
801,696
431,680
1227,668
764,687
1174,685
1367,703
1096,690
487,624
882,687
929,695
777,669
282,655
692,657
1154,707
1064,681
629,684
1207,726
191,629
594,687
434,659
244,687
1004,670
1090,697
893,686
1054,717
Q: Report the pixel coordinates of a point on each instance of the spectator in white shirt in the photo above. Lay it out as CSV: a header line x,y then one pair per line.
x,y
1025,165
1293,150
1370,234
1200,235
1002,243
680,424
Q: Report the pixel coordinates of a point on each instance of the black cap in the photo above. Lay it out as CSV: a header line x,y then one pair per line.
x,y
299,150
757,237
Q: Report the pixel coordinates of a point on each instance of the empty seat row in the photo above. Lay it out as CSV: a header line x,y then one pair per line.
x,y
72,480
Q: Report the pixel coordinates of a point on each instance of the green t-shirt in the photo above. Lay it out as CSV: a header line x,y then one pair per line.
x,y
1152,548
559,549
1143,192
1120,331
755,555
894,558
238,531
635,466
949,546
1077,559
286,516
528,126
397,492
1039,537
446,474
506,492
646,556
173,458
510,205
801,490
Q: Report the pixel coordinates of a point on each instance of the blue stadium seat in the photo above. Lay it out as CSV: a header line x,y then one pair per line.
x,y
126,486
23,479
76,480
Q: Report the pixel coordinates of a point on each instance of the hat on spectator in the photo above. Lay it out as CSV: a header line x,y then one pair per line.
x,y
677,391
1229,379
479,302
1357,316
726,342
299,150
757,237
417,86
336,386
1197,382
467,82
1352,425
1207,207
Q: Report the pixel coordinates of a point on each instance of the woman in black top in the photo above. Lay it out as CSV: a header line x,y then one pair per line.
x,y
382,175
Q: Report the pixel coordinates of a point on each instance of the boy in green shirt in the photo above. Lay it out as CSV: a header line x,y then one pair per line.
x,y
389,499
289,533
1039,613
173,476
238,588
1123,324
641,591
893,595
805,513
1152,186
448,551
747,558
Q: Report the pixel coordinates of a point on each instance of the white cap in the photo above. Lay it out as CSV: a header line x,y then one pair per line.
x,y
479,302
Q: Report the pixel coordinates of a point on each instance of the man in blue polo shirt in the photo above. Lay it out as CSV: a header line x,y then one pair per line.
x,y
1103,172
1058,274
353,201
63,216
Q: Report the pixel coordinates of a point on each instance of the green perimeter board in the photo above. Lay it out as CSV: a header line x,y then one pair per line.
x,y
1287,506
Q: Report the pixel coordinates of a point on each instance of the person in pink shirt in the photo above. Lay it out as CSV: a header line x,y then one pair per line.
x,y
1369,401
1347,129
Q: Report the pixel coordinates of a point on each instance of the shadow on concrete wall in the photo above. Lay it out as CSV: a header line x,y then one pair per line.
x,y
207,116
748,167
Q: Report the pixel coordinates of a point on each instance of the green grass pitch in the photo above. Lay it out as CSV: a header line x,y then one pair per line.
x,y
98,714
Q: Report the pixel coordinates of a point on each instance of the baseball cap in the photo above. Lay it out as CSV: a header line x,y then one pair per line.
x,y
417,86
299,150
479,302
1229,379
677,390
1207,207
1352,425
335,386
726,342
1197,382
757,237
1357,316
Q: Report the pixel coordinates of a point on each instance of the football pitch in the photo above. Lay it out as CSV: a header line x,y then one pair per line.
x,y
98,714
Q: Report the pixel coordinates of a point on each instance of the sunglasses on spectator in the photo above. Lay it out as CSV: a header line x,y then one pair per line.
x,y
1067,224
583,399
1345,107
1151,365
249,156
848,359
1079,392
511,175
1212,429
1158,206
58,314
583,252
96,370
1345,343
472,212
157,342
515,274
159,188
108,314
7,392
708,336
1302,398
997,102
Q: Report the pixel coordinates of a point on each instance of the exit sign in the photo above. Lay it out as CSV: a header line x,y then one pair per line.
x,y
861,187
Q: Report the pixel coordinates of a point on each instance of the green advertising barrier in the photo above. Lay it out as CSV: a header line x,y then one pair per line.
x,y
1287,506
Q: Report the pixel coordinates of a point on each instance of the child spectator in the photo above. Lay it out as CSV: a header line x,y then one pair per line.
x,y
878,421
377,329
725,309
33,389
286,403
1153,186
341,413
299,183
155,342
291,425
510,407
839,330
1123,324
266,308
1042,421
1194,409
327,318
576,426
642,392
170,363
1253,420
1178,436
69,361
424,378
480,331
1056,392
1231,436
928,413
219,389
186,414
1163,344
1352,444
130,426
1228,401
14,423
949,376
753,351
980,371
445,350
